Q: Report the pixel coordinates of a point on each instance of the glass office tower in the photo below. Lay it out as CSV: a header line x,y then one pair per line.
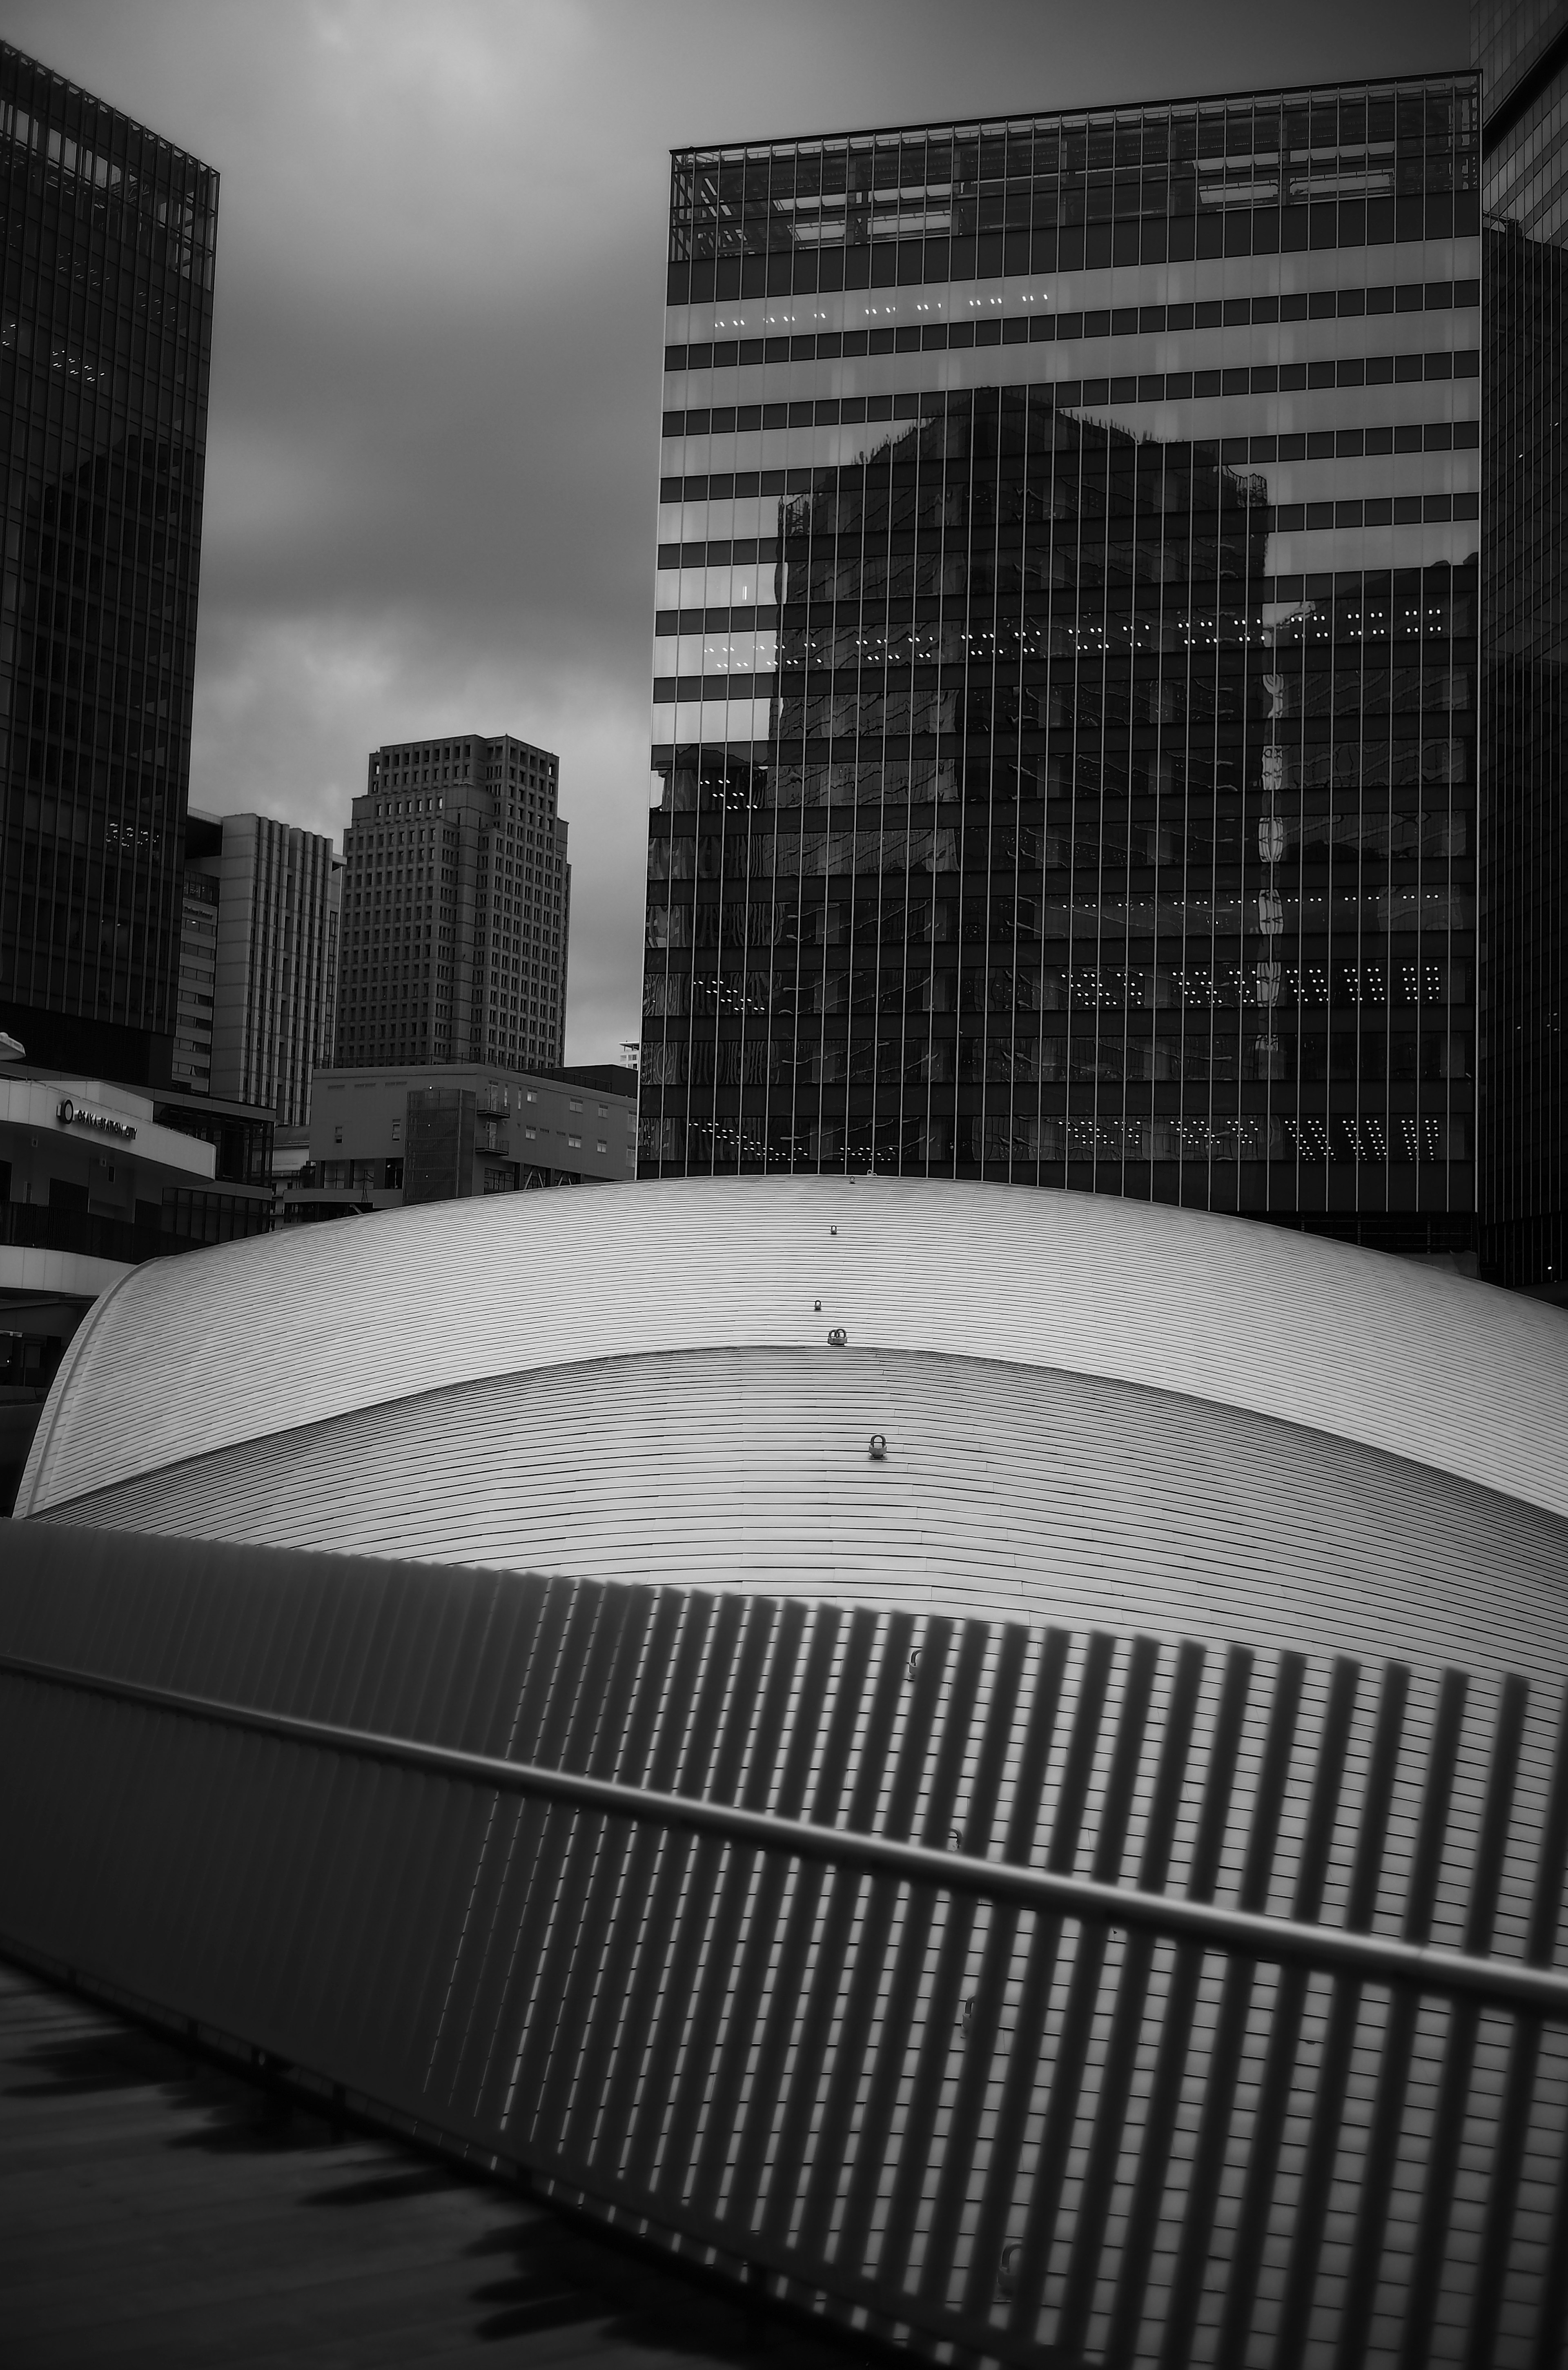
x,y
1523,52
1065,748
105,337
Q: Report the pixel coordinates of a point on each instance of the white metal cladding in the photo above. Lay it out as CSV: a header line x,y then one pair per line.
x,y
1006,1492
189,1356
1000,2129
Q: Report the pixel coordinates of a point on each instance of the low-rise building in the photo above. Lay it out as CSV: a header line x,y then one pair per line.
x,y
382,1137
95,1178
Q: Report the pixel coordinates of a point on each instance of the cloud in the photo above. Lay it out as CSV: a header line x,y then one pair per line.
x,y
432,437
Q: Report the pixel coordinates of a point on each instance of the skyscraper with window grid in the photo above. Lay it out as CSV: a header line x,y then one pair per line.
x,y
456,907
1064,747
105,345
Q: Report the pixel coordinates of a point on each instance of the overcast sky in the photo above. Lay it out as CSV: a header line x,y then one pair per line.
x,y
433,447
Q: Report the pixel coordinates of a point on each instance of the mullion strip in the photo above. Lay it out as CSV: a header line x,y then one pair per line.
x,y
615,1904
999,2197
957,2177
1519,2097
747,2004
899,2020
646,1897
783,1994
1464,2023
1083,1998
1393,2072
1231,2026
1277,2084
661,2011
741,1869
939,2043
1108,2140
848,1892
713,1864
1339,2041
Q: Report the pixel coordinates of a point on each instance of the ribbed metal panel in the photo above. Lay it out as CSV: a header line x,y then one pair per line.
x,y
189,1357
1038,2138
1006,1493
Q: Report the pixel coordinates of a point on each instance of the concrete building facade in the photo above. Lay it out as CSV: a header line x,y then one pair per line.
x,y
381,1138
457,907
261,915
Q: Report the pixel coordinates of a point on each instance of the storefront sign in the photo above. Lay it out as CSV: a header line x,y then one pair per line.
x,y
75,1115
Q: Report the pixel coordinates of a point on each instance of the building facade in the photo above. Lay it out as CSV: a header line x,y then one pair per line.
x,y
457,908
193,1065
383,1137
1065,690
95,1178
104,363
1522,52
258,960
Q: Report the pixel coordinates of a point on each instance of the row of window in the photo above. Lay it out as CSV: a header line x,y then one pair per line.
x,y
1098,985
1044,328
1432,122
1008,1139
1373,1057
1089,843
884,256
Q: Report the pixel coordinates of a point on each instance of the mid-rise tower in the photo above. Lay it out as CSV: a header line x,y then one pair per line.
x,y
457,907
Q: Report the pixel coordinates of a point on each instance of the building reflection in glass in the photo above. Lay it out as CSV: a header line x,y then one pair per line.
x,y
1064,704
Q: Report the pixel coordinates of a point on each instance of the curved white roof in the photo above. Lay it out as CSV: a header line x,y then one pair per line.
x,y
193,1354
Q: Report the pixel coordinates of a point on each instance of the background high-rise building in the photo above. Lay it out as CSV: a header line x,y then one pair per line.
x,y
458,906
262,915
1523,53
1065,724
104,357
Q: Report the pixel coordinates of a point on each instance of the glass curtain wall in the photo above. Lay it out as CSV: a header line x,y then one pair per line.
x,y
1523,1154
1064,762
105,342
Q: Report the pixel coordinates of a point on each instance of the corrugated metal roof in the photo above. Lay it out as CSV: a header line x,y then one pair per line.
x,y
189,1356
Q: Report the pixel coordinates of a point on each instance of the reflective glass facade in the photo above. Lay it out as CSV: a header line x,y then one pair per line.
x,y
1523,1144
1064,753
105,338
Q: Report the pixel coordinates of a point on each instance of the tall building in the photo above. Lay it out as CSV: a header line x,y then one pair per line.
x,y
1065,751
1523,53
104,348
259,961
457,907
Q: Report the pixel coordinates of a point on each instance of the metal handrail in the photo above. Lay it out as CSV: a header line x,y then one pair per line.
x,y
1370,1957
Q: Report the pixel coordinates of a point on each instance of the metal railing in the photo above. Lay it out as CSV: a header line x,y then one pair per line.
x,y
1270,1939
644,1891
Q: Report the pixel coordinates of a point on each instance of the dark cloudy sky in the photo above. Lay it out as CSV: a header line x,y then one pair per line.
x,y
433,440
